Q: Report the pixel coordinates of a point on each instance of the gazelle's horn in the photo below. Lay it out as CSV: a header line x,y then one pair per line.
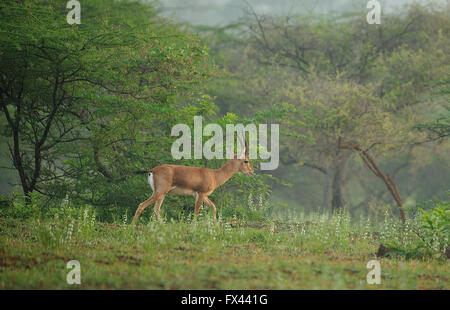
x,y
246,147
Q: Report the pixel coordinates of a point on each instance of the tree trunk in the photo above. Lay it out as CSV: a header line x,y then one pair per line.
x,y
17,161
386,178
333,197
326,200
337,193
337,182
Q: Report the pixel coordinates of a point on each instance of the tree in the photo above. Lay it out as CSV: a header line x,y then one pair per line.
x,y
76,98
341,78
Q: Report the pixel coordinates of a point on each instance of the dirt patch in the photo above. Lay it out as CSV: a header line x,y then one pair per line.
x,y
17,262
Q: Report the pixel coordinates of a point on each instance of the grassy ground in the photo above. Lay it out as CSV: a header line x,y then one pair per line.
x,y
313,253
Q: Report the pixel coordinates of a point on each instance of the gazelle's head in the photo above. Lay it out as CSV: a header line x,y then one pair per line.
x,y
245,166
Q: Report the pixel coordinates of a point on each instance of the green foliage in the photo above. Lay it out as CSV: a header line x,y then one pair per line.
x,y
437,129
21,207
427,205
90,105
435,228
424,236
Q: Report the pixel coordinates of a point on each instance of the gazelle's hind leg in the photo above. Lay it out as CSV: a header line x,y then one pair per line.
x,y
141,208
157,207
155,197
160,187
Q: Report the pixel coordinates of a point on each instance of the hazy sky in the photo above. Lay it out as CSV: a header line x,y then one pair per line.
x,y
221,12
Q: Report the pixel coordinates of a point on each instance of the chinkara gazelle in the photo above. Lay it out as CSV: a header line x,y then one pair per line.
x,y
196,181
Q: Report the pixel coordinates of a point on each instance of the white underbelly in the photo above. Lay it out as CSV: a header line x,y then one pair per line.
x,y
181,191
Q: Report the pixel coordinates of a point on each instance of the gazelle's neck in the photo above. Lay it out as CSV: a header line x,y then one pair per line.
x,y
224,173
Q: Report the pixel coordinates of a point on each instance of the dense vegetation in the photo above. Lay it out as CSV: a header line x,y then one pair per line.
x,y
364,117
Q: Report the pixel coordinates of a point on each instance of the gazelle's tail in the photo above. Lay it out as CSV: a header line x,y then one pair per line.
x,y
150,180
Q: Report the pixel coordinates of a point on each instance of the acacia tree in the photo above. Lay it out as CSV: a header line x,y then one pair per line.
x,y
337,110
327,70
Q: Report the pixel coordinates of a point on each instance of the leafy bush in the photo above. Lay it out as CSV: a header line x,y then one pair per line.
x,y
424,236
19,206
435,228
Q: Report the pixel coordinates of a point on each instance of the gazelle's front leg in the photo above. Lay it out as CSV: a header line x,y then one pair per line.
x,y
213,207
198,203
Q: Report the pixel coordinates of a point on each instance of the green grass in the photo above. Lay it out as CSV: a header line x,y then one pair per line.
x,y
314,252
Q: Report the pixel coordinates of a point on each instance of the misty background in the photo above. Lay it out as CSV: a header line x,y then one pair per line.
x,y
427,181
223,12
